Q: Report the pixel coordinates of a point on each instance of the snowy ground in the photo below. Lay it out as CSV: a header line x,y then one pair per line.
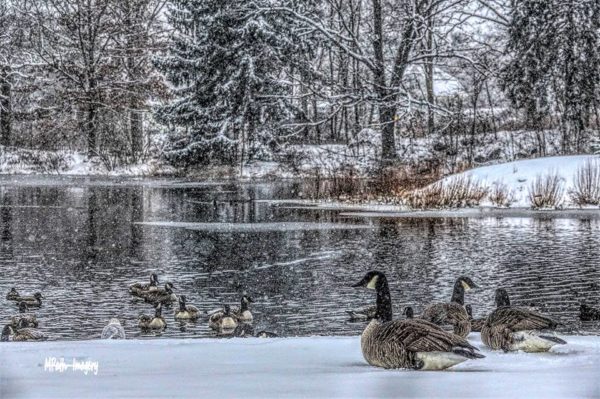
x,y
518,176
319,367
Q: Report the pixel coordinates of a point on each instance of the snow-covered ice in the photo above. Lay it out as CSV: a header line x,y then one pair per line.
x,y
316,367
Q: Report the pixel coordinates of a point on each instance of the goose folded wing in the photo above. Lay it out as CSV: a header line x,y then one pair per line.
x,y
456,313
419,336
32,333
519,319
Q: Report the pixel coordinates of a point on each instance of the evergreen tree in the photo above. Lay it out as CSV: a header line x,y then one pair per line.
x,y
225,66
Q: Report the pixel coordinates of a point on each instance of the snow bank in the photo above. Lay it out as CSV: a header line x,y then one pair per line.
x,y
518,176
319,367
26,161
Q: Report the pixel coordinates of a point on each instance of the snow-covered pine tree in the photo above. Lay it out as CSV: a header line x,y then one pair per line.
x,y
224,65
554,65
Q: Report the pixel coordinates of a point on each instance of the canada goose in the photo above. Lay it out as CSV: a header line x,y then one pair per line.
x,y
452,313
113,330
362,314
408,312
587,313
243,313
164,296
20,333
511,328
222,320
186,312
12,295
139,289
34,301
476,324
24,320
414,343
153,323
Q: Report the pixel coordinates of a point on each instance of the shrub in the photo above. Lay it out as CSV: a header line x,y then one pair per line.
x,y
586,186
458,192
546,192
500,195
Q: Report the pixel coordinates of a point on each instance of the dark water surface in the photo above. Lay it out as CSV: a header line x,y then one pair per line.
x,y
82,241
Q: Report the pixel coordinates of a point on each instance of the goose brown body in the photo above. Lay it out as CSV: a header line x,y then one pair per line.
x,y
185,311
24,320
404,343
13,295
34,301
476,324
366,313
157,322
141,289
512,328
163,296
222,320
452,315
11,333
412,343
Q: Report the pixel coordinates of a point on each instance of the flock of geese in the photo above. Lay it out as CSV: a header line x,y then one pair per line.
x,y
434,341
227,320
437,339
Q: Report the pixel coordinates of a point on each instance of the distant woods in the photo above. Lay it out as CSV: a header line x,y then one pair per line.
x,y
232,81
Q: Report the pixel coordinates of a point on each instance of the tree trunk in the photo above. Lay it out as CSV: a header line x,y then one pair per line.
x,y
136,130
386,105
5,107
90,127
429,78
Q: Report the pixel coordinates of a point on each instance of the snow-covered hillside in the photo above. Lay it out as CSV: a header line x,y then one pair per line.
x,y
319,367
518,176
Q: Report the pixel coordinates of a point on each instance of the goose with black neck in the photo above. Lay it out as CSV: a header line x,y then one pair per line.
x,y
413,343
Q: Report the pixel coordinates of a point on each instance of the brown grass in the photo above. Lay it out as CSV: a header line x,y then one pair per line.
x,y
546,192
458,192
500,195
586,190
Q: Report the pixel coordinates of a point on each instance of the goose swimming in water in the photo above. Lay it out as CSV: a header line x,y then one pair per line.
x,y
363,314
21,333
164,296
511,328
24,320
34,301
186,312
140,289
587,313
414,343
243,313
408,312
153,323
453,313
12,295
223,320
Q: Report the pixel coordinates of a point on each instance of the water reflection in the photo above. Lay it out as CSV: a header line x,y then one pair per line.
x,y
81,245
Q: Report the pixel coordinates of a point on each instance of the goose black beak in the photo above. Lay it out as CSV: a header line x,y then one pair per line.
x,y
359,284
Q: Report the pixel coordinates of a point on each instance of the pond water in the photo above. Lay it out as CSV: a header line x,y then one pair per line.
x,y
81,242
